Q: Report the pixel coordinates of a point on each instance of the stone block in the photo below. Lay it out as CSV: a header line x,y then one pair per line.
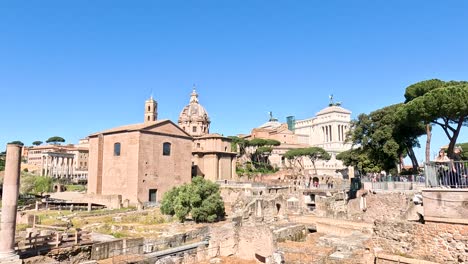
x,y
446,205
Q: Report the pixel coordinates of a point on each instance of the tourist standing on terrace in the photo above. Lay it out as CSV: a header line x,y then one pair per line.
x,y
457,168
442,162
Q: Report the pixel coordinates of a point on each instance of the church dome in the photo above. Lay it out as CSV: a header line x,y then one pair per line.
x,y
194,118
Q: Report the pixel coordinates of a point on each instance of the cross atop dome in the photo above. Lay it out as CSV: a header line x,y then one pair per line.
x,y
194,96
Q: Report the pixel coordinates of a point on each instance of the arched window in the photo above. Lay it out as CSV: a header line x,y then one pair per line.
x,y
117,149
149,108
148,118
166,149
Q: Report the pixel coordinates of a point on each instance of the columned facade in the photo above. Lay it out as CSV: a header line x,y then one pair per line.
x,y
57,165
326,130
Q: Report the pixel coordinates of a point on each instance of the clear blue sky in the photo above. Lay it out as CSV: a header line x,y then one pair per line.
x,y
70,68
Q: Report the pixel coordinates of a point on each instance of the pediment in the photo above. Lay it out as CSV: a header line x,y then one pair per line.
x,y
167,127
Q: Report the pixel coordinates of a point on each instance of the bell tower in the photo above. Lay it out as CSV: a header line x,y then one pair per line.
x,y
151,110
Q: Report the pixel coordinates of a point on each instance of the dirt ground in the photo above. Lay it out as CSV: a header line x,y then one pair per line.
x,y
40,260
232,260
305,252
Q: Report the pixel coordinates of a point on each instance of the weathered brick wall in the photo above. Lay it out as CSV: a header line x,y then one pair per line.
x,y
379,207
334,206
443,243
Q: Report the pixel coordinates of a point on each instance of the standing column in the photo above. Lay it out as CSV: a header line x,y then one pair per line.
x,y
49,161
328,133
67,166
51,166
61,167
71,167
335,132
42,165
46,169
9,203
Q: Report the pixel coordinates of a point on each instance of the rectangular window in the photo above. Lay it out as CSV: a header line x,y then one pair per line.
x,y
166,149
194,129
152,195
117,149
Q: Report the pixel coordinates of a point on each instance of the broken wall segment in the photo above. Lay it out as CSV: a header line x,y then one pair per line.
x,y
446,205
444,243
110,249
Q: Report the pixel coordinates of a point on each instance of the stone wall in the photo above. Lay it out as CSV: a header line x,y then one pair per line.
x,y
334,206
110,249
111,201
176,240
290,232
444,243
224,239
245,242
256,241
379,207
446,205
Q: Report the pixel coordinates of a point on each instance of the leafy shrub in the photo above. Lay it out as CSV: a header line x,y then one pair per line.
x,y
200,199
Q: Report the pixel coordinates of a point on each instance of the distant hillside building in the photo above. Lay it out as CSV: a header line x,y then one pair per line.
x,y
60,161
274,130
326,130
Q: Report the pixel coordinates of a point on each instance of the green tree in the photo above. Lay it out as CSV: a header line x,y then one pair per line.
x,y
35,184
2,160
261,149
296,156
17,142
295,159
464,153
201,199
316,153
441,103
386,135
167,203
2,164
55,140
360,160
37,143
238,144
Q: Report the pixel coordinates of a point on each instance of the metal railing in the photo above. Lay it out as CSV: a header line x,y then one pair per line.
x,y
394,178
451,174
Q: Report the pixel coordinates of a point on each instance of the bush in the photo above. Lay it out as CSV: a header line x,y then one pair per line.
x,y
200,199
35,184
75,187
